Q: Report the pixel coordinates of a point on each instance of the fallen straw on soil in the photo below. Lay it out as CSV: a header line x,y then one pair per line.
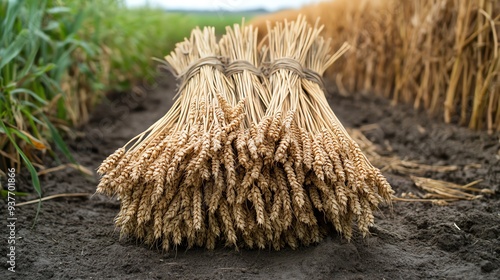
x,y
250,154
442,192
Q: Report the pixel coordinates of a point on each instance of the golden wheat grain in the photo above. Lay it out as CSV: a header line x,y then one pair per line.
x,y
175,229
331,150
217,194
159,213
252,148
277,206
258,204
296,188
315,198
260,238
145,206
111,161
159,181
275,127
308,217
290,239
198,215
263,183
342,196
227,222
285,197
239,216
173,210
242,148
319,159
281,153
262,129
213,231
230,171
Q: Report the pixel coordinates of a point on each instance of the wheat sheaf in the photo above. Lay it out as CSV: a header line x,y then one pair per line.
x,y
250,154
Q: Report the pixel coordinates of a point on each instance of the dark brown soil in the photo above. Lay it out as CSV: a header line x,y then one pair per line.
x,y
75,238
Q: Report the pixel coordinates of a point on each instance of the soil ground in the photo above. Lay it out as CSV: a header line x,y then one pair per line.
x,y
74,238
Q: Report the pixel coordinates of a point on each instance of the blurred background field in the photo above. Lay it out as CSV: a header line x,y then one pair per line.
x,y
441,56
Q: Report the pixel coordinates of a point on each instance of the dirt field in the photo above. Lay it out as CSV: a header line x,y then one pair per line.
x,y
75,238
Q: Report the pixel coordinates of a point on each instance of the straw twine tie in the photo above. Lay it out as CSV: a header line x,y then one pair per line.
x,y
295,66
238,66
191,71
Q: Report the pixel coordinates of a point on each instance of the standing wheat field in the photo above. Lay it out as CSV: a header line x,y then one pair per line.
x,y
441,56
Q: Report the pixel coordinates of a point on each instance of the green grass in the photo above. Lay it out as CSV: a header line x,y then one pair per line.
x,y
36,43
216,19
59,58
147,34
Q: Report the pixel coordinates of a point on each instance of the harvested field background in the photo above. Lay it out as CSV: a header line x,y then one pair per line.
x,y
441,56
75,238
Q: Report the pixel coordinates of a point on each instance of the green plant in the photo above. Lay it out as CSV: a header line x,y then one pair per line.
x,y
37,40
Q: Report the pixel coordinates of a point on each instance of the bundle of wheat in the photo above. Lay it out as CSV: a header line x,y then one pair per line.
x,y
314,157
250,152
162,178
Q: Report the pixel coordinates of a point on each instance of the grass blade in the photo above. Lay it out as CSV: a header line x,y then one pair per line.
x,y
34,176
14,48
56,137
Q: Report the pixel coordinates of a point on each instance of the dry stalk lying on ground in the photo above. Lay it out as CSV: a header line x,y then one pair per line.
x,y
250,153
392,163
442,192
436,191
